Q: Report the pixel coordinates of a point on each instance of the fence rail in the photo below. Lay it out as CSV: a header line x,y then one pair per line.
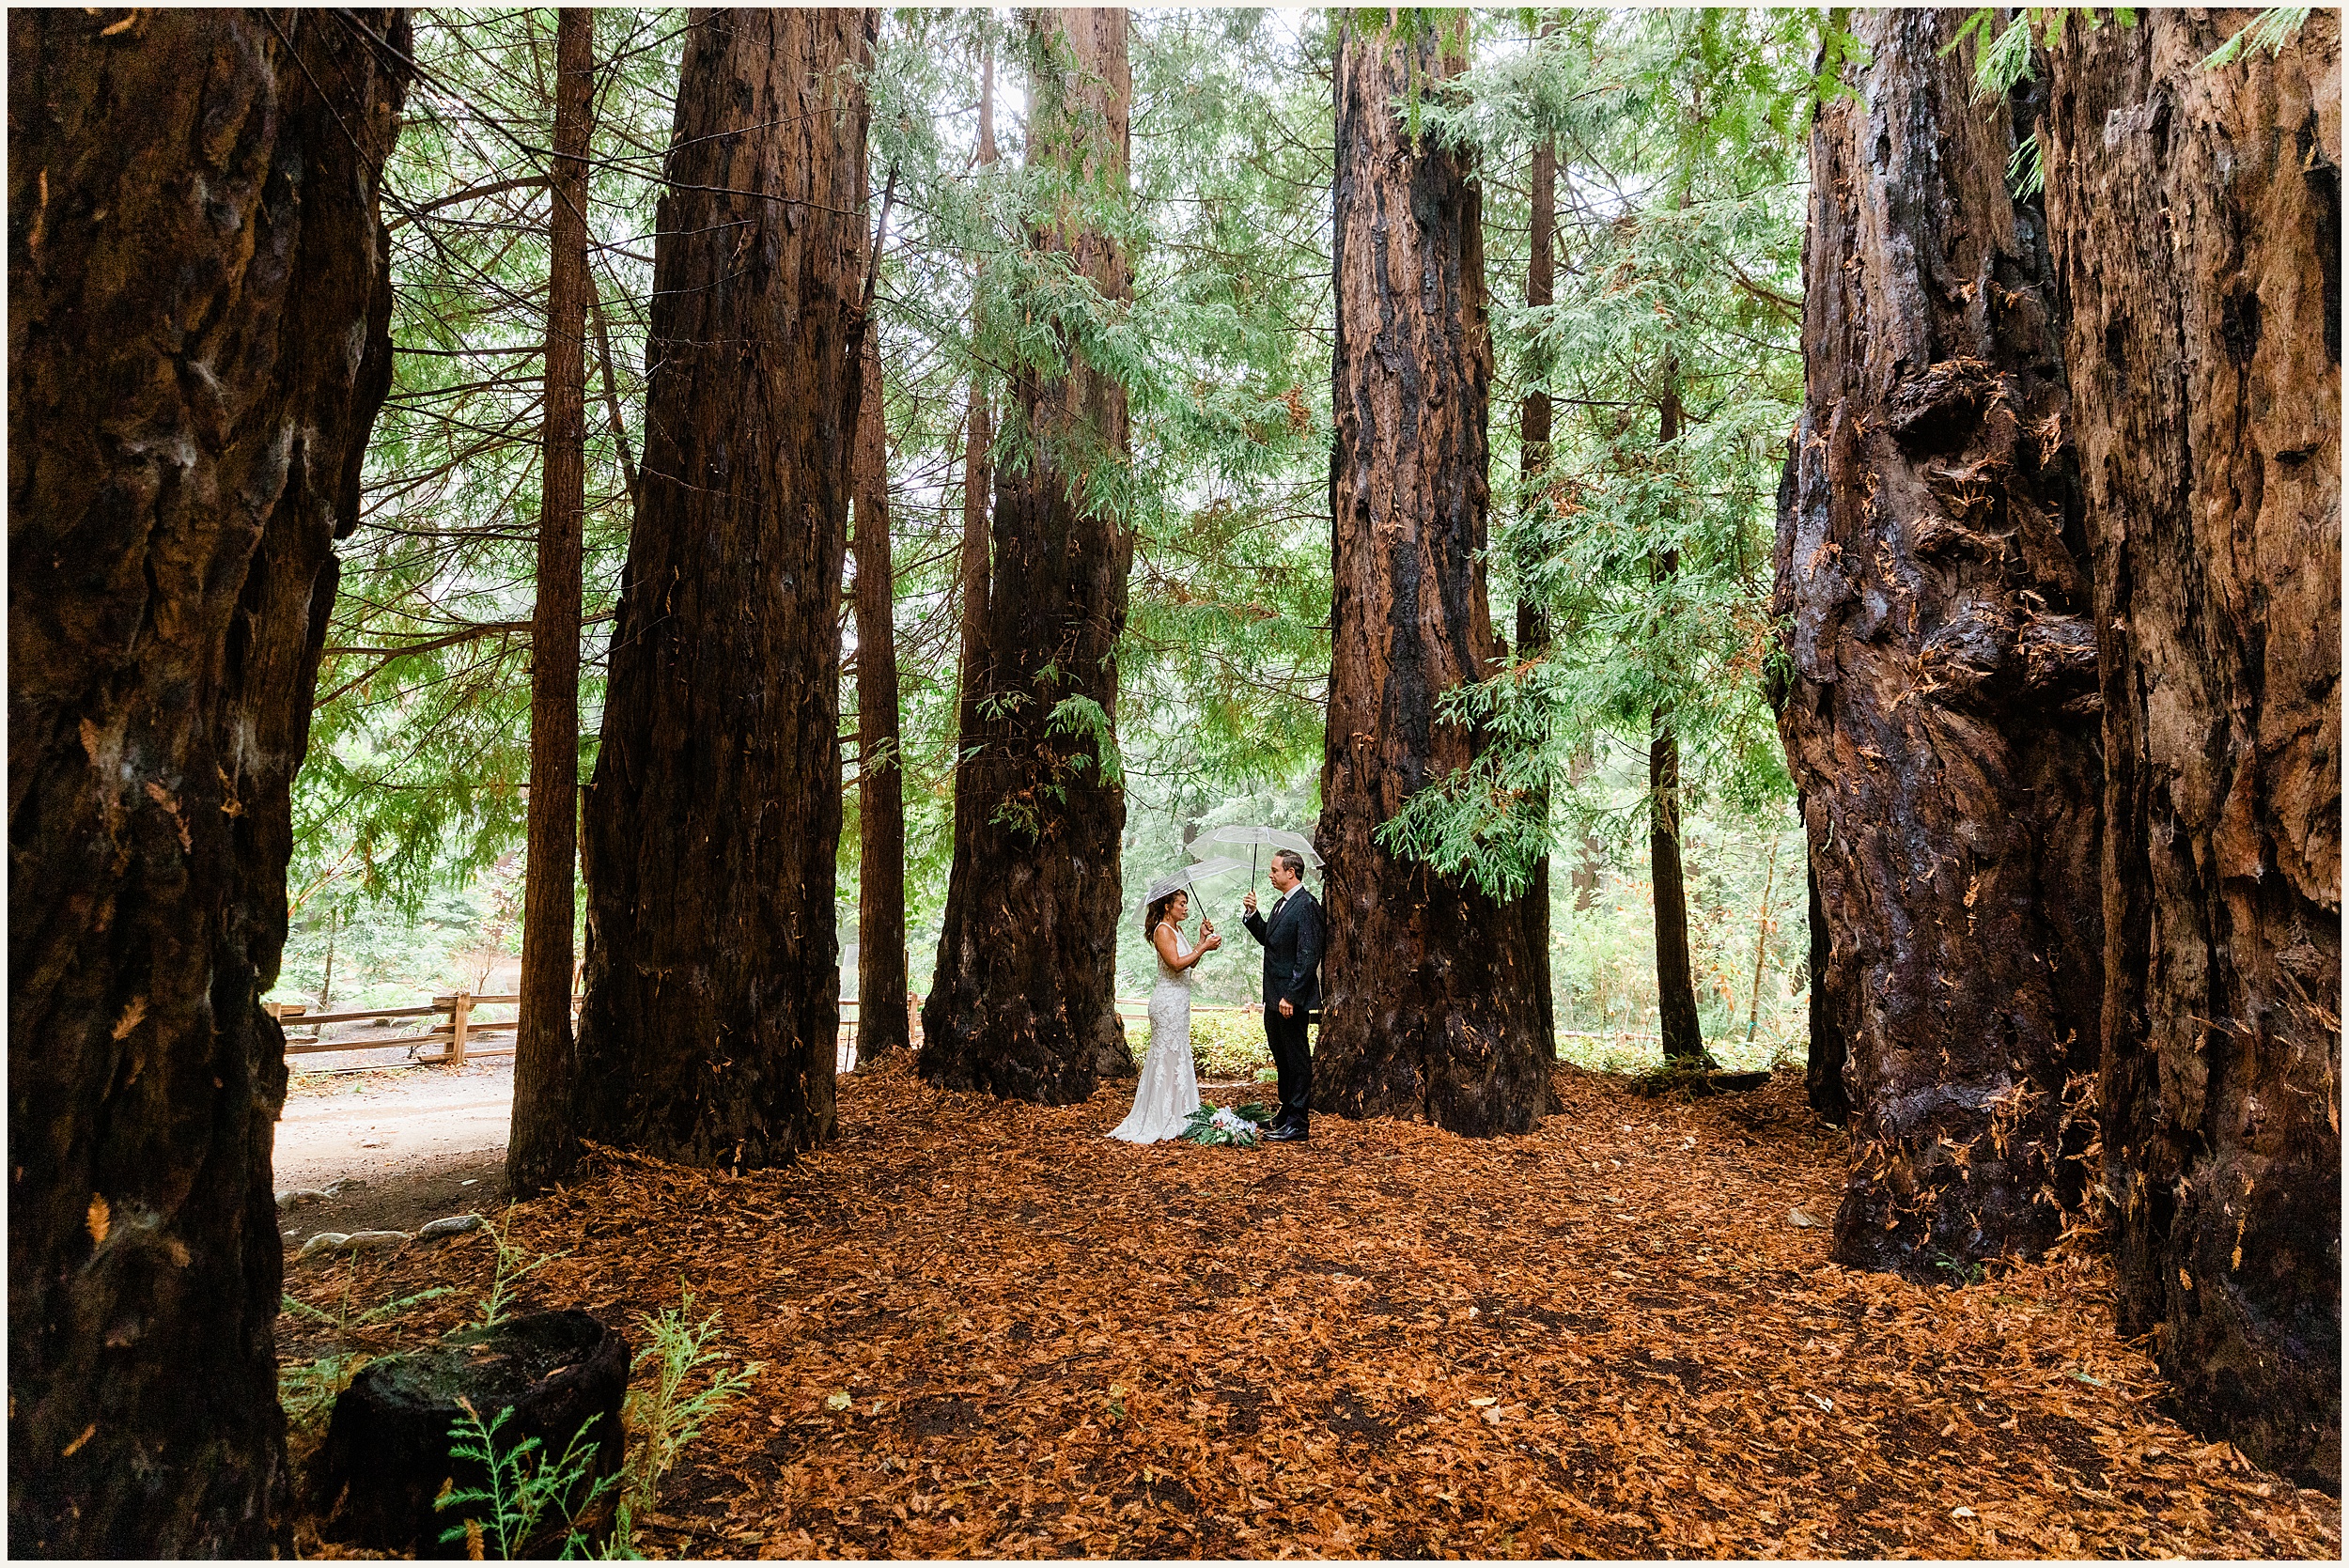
x,y
458,1037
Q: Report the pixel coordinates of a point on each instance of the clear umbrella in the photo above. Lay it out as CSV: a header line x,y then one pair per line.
x,y
1258,839
1185,878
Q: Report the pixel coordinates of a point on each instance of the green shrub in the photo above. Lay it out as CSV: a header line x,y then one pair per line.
x,y
1228,1044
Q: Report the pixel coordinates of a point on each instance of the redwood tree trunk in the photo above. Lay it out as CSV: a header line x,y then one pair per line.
x,y
1940,721
1024,1001
541,1144
1533,621
712,975
198,298
882,1024
977,484
1676,972
1429,1005
2196,222
1675,975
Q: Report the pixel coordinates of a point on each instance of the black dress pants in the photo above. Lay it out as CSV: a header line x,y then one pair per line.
x,y
1294,1061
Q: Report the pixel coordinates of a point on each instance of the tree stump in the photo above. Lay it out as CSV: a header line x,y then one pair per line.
x,y
386,1455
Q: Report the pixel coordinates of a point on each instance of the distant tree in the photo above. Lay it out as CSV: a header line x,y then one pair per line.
x,y
712,825
882,1024
197,300
1023,1001
541,1144
1429,1005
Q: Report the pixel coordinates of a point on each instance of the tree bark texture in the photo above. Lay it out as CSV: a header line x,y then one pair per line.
x,y
1675,973
1429,1008
2196,223
1676,970
882,1023
541,1145
707,1034
1541,275
1940,717
978,440
1024,1003
198,303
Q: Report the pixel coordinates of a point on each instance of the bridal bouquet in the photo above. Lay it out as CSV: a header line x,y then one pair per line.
x,y
1214,1124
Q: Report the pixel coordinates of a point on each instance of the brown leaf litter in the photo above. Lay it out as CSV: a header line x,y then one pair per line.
x,y
988,1331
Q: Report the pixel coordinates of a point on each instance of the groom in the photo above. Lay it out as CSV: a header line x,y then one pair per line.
x,y
1292,986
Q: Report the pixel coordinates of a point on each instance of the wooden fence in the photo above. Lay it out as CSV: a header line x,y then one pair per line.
x,y
459,1034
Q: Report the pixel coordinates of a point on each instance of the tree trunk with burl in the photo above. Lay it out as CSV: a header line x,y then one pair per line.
x,y
707,1034
1024,1003
2196,218
1939,721
1429,1008
541,1145
883,1025
198,298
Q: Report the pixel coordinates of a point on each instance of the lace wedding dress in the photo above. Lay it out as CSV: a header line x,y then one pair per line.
x,y
1169,1091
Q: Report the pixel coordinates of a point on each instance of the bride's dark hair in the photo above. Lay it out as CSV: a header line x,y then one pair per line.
x,y
1157,912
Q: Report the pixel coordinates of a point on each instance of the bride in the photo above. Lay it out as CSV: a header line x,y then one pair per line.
x,y
1169,1091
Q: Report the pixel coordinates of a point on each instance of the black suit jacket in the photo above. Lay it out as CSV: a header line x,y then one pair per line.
x,y
1292,951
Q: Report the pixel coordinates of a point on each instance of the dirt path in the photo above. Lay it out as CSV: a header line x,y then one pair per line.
x,y
396,1147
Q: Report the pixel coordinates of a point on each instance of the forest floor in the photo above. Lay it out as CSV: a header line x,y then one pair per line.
x,y
985,1330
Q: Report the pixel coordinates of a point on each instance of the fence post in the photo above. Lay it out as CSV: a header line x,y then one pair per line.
x,y
460,1017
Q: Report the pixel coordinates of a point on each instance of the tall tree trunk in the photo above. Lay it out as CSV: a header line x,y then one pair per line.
x,y
1939,718
541,1144
882,1024
1024,1001
1429,1005
1533,620
1590,856
713,974
1676,972
977,482
198,301
2196,220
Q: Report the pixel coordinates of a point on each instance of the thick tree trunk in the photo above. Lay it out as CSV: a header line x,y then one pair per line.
x,y
1024,1001
2195,219
1429,1005
541,1144
712,976
198,298
882,1024
1533,621
1940,717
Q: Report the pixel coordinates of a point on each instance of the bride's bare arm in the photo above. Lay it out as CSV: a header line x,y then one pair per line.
x,y
1163,940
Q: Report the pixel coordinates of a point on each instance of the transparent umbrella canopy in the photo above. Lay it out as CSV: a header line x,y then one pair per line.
x,y
1258,839
1188,877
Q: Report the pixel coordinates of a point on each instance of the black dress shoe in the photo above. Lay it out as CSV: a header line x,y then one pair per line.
x,y
1288,1132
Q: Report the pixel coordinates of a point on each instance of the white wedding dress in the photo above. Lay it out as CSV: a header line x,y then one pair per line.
x,y
1169,1091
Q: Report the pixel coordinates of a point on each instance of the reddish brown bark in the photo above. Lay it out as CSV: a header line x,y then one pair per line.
x,y
1429,1008
883,1026
198,299
1024,1003
541,1144
2196,222
1940,717
712,977
1541,273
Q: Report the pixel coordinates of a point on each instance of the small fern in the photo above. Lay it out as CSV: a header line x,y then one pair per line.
x,y
664,1417
525,1494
